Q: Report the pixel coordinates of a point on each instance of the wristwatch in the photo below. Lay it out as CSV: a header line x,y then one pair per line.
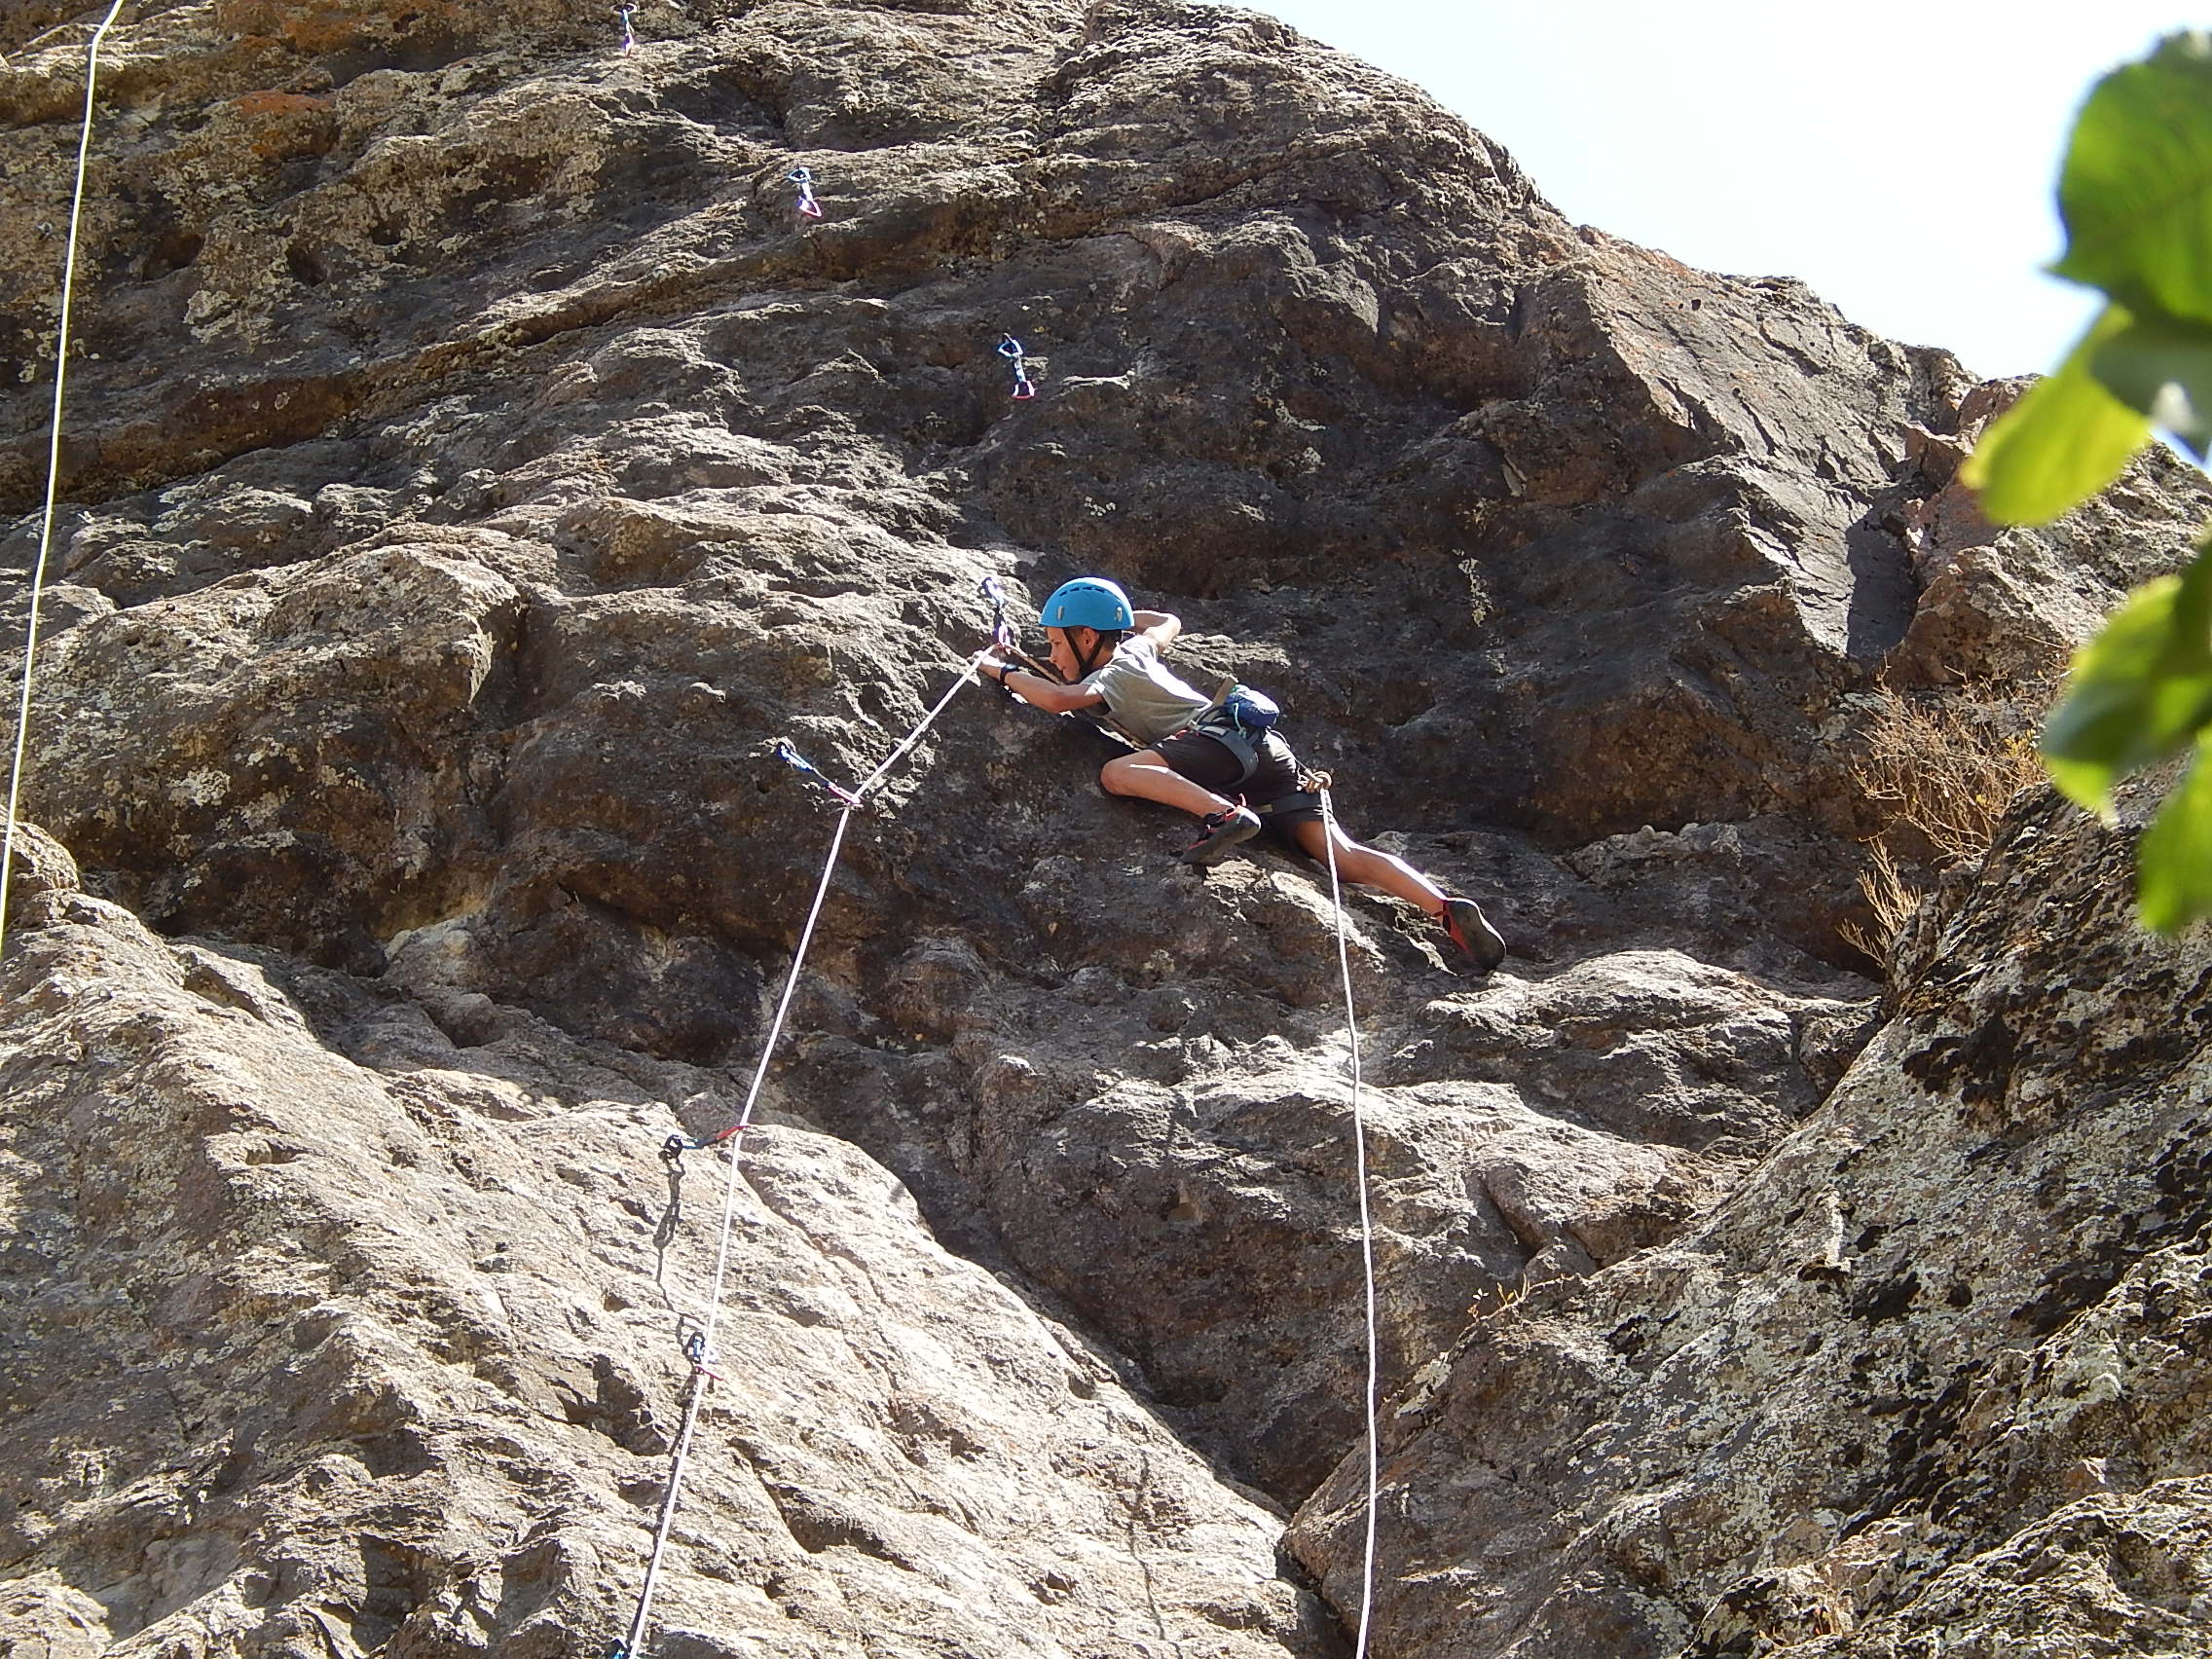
x,y
1005,668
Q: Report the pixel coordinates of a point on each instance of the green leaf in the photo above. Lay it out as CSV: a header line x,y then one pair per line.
x,y
2173,862
2139,691
2062,443
2163,372
2136,192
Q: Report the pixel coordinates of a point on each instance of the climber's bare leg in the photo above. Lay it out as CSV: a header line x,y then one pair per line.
x,y
1367,867
1147,776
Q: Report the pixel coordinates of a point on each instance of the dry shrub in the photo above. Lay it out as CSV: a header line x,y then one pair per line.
x,y
1941,772
1893,899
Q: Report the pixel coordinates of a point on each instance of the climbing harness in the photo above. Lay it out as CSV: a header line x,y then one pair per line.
x,y
1239,719
52,465
1366,1223
804,179
791,757
699,1346
1307,798
629,34
1011,348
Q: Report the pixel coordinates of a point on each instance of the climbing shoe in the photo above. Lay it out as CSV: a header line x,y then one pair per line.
x,y
1467,928
1218,831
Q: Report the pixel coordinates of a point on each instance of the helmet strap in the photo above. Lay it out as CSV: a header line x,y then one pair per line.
x,y
1086,659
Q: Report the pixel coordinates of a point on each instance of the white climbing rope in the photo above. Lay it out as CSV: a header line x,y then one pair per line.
x,y
915,736
1366,1235
52,465
702,1348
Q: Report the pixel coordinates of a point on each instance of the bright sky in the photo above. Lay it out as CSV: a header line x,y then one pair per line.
x,y
1898,155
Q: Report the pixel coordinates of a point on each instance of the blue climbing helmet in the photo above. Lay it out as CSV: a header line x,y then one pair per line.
x,y
1088,601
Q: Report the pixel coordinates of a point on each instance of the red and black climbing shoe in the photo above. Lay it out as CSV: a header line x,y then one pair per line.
x,y
1218,831
1467,928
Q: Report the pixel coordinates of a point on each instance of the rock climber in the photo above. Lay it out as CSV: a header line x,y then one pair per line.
x,y
1193,753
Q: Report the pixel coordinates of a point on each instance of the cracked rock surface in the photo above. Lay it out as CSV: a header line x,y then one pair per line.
x,y
475,466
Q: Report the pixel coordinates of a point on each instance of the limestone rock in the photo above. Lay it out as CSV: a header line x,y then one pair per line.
x,y
40,868
476,466
391,1360
1926,1383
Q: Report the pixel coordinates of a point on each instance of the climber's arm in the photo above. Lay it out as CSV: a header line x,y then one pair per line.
x,y
1159,627
1041,693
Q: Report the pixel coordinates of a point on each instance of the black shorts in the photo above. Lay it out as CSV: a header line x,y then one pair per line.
x,y
1211,764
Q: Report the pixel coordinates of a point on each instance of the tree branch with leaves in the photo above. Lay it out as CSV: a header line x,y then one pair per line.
x,y
2135,194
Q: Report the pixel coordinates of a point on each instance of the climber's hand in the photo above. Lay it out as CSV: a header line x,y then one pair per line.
x,y
994,672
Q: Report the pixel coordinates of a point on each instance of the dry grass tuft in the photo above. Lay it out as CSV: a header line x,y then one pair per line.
x,y
1942,773
1890,896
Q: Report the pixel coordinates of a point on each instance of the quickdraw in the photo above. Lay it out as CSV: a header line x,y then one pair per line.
x,y
1005,640
1011,348
1001,631
673,1149
629,34
804,179
798,762
695,1350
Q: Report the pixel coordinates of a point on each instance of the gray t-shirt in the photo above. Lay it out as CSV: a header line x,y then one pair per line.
x,y
1143,694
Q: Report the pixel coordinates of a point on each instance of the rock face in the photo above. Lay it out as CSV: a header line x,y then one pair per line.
x,y
1932,1380
304,1354
475,466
